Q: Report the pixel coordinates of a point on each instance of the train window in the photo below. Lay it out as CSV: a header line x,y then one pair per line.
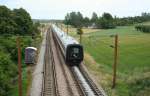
x,y
76,50
74,53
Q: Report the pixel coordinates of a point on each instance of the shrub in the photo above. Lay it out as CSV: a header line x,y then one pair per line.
x,y
143,28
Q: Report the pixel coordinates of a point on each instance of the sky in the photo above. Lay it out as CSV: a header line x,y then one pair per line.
x,y
57,9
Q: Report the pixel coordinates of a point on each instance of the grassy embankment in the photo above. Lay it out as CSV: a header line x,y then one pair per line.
x,y
133,71
25,82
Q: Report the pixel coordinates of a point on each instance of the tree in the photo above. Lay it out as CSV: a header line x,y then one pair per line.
x,y
36,30
23,20
145,16
106,21
107,16
67,19
94,18
79,20
7,25
17,21
74,18
86,22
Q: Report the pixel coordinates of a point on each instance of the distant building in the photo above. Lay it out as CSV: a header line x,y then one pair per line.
x,y
93,26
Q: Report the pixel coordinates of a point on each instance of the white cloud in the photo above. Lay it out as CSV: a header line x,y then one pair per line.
x,y
56,9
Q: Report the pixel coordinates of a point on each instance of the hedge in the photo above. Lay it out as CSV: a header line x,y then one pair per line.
x,y
143,28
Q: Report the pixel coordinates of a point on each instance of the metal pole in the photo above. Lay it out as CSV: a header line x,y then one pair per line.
x,y
19,68
115,61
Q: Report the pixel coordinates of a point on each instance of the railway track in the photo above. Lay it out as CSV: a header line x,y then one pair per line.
x,y
49,82
58,79
97,91
61,79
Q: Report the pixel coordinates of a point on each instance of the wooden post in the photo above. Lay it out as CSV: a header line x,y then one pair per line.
x,y
19,68
67,28
61,27
80,38
115,61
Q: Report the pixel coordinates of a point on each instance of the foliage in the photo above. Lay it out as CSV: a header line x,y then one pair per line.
x,y
12,23
86,21
106,21
7,24
8,62
94,17
77,20
132,20
8,71
23,21
17,21
74,18
36,30
143,28
9,47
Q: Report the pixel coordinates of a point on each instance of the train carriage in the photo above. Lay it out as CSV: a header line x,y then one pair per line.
x,y
72,50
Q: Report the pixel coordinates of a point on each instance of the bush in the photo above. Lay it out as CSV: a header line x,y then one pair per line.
x,y
8,71
143,28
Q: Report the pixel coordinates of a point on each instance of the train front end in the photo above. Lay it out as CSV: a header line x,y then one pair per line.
x,y
74,54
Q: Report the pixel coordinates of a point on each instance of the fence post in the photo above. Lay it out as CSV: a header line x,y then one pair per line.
x,y
80,38
19,68
67,28
115,61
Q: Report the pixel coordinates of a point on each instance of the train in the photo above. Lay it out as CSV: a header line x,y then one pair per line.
x,y
70,48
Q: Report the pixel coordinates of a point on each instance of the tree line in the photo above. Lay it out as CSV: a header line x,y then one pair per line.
x,y
16,21
143,28
106,21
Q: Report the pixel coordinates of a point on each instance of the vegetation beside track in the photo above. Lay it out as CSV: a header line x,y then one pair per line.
x,y
14,23
133,71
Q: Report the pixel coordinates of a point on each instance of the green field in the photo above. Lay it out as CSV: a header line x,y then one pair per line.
x,y
133,70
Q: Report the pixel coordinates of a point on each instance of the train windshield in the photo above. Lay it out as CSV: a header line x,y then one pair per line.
x,y
75,53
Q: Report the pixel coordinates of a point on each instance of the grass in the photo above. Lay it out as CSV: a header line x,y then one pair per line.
x,y
133,70
14,91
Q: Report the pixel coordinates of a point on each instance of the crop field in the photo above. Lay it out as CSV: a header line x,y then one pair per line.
x,y
133,69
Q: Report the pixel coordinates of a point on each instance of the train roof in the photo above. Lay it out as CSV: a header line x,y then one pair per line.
x,y
66,39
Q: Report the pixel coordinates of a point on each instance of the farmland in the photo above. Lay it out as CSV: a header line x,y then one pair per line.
x,y
133,70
